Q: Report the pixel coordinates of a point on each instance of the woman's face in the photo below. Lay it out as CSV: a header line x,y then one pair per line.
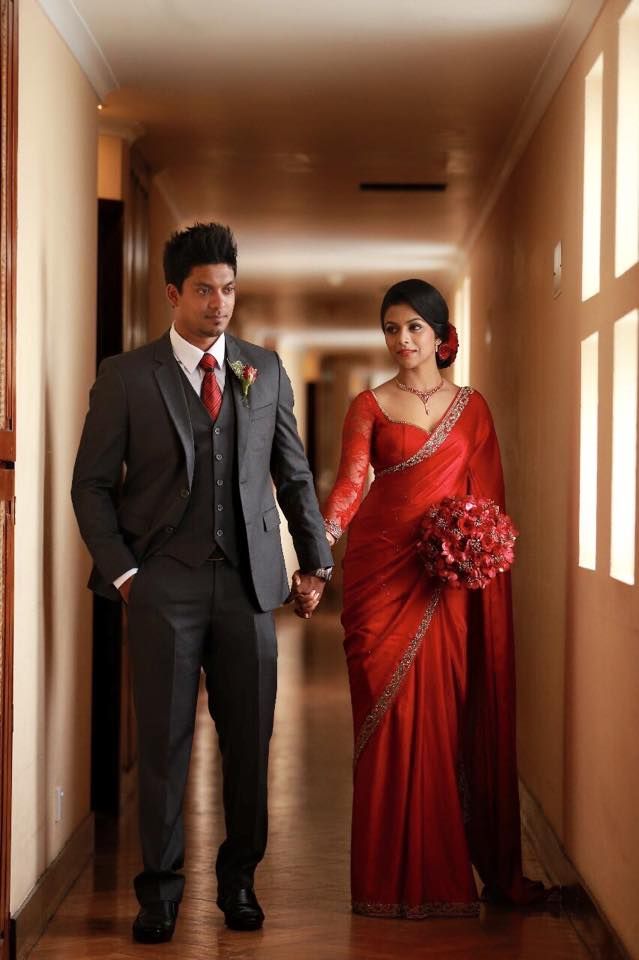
x,y
410,340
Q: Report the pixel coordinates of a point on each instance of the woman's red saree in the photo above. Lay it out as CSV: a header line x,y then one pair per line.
x,y
431,674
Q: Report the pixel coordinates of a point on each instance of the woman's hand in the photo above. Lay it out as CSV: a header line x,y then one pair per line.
x,y
307,593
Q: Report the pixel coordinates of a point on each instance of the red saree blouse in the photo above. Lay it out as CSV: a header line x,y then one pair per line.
x,y
431,674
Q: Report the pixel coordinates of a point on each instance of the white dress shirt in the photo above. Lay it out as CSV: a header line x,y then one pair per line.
x,y
188,357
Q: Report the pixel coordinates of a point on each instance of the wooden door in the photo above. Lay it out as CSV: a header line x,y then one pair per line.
x,y
8,121
107,616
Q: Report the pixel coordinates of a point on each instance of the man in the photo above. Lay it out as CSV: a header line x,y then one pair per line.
x,y
203,425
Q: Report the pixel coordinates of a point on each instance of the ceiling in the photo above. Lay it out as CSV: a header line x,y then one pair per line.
x,y
268,115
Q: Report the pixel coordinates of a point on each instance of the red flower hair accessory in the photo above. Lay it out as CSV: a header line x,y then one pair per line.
x,y
449,348
466,541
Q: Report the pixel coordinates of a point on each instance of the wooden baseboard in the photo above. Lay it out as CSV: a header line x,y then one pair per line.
x,y
576,900
30,920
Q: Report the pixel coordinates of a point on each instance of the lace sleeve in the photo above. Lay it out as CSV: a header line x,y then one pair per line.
x,y
344,500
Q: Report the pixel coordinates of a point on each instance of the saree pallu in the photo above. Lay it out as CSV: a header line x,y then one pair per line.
x,y
431,674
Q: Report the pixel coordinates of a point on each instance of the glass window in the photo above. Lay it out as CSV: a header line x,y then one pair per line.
x,y
624,448
591,254
588,452
627,205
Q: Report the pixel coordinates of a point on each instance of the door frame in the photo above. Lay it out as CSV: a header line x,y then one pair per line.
x,y
8,160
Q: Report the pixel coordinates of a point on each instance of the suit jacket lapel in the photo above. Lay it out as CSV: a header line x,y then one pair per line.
x,y
241,409
172,389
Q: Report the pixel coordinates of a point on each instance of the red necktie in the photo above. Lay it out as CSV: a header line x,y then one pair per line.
x,y
210,393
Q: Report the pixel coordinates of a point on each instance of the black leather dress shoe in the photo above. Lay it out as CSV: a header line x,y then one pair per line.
x,y
155,923
241,910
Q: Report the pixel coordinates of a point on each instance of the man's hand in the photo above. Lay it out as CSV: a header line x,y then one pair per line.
x,y
307,593
125,589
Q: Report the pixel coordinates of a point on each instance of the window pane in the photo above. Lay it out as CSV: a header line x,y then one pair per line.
x,y
624,449
592,182
588,452
627,206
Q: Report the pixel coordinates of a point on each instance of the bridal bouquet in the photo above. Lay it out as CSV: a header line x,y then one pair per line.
x,y
466,541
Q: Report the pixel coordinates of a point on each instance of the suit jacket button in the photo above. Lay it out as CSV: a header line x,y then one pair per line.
x,y
220,483
217,431
185,493
218,456
169,529
219,533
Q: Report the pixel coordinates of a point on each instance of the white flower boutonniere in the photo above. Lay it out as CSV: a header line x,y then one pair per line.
x,y
247,375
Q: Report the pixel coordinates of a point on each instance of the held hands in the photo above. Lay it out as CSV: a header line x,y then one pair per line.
x,y
307,592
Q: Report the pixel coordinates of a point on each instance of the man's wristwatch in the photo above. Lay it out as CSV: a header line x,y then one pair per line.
x,y
322,573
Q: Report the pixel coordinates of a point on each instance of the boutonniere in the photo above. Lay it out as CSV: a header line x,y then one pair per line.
x,y
247,375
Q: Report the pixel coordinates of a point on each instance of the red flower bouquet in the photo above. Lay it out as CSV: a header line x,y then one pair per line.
x,y
466,541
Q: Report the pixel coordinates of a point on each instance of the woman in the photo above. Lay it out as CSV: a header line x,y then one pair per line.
x,y
431,669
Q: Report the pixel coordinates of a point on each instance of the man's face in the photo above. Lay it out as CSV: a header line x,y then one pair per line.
x,y
204,307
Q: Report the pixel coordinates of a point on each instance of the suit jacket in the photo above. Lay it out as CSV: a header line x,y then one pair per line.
x,y
138,419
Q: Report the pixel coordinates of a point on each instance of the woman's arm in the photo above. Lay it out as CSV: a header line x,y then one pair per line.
x,y
344,500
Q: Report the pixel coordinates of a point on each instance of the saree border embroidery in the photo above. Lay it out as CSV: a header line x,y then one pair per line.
x,y
436,908
376,715
439,434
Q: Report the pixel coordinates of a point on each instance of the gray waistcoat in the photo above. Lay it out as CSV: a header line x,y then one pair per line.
x,y
212,514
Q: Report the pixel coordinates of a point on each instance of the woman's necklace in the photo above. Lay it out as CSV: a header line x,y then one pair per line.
x,y
424,395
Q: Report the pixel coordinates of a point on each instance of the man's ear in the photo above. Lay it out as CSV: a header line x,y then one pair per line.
x,y
172,294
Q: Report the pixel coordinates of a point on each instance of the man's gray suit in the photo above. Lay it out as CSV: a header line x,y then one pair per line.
x,y
195,512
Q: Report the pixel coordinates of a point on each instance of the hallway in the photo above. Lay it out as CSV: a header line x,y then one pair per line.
x,y
303,883
490,149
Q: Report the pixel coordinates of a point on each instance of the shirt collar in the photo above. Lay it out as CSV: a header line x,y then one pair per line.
x,y
189,355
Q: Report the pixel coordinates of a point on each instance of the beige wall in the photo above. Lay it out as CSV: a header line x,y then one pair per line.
x,y
56,273
576,629
162,223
